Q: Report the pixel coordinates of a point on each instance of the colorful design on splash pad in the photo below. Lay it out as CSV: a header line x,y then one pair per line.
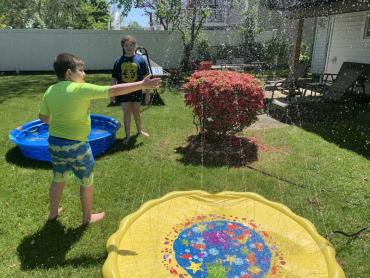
x,y
225,235
208,244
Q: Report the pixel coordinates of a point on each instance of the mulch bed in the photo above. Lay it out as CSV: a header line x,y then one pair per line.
x,y
231,151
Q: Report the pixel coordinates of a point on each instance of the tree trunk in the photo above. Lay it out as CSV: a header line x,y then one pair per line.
x,y
185,62
188,46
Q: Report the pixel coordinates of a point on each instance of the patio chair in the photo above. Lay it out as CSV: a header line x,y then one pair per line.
x,y
367,86
317,82
236,60
350,77
288,85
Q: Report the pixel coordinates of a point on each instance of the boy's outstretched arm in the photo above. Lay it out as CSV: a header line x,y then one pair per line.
x,y
44,118
126,88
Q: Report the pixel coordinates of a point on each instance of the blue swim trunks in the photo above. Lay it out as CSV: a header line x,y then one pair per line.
x,y
70,155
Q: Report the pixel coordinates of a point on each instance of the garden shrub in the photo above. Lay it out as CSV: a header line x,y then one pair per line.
x,y
223,102
224,52
304,55
276,53
203,52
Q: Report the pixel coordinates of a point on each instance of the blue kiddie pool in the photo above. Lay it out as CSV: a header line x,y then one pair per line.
x,y
32,137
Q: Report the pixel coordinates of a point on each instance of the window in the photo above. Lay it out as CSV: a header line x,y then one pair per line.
x,y
367,28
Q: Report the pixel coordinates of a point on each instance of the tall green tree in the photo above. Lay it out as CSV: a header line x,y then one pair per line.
x,y
190,24
17,13
187,17
100,13
78,14
134,25
164,11
53,14
249,31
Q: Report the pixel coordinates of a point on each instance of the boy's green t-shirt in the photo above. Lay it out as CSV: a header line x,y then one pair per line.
x,y
68,106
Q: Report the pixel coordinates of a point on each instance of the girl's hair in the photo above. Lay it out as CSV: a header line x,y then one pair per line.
x,y
65,61
127,38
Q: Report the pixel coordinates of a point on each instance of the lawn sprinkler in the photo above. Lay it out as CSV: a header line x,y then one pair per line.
x,y
156,71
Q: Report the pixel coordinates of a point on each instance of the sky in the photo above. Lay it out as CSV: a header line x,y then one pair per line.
x,y
134,15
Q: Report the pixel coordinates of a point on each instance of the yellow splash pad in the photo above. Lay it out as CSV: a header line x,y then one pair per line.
x,y
229,234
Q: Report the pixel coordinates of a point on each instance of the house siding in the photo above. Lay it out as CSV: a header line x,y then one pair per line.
x,y
347,41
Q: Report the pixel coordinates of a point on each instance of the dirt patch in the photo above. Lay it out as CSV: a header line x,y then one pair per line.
x,y
229,151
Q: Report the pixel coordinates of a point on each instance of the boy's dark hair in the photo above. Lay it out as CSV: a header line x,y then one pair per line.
x,y
125,39
65,61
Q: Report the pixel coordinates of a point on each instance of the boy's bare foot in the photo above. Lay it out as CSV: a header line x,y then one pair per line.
x,y
95,217
126,140
145,134
54,216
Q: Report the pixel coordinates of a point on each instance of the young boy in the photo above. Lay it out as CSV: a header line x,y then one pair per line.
x,y
128,68
66,108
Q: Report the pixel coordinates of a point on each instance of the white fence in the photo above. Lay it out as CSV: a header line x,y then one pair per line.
x,y
34,50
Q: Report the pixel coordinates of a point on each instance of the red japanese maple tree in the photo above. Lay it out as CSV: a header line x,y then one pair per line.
x,y
224,102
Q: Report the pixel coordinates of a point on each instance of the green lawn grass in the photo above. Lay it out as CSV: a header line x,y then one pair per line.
x,y
308,168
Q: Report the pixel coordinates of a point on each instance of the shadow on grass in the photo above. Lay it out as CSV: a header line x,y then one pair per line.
x,y
229,151
15,157
118,146
350,135
48,248
20,86
345,124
